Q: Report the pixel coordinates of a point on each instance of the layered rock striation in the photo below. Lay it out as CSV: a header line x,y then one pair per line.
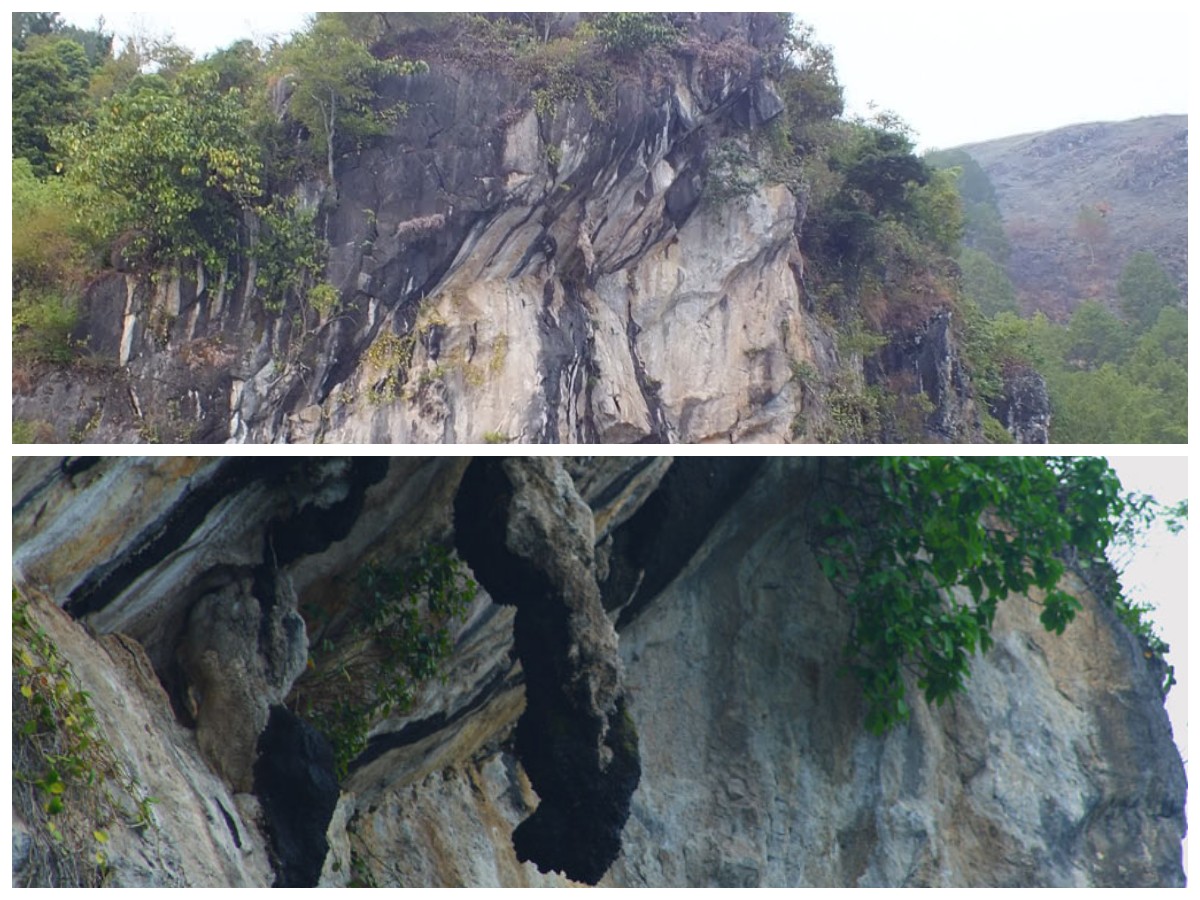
x,y
680,598
515,271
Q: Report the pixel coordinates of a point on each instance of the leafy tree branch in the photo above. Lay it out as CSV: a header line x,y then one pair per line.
x,y
925,548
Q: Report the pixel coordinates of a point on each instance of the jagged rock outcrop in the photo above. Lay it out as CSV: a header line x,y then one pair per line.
x,y
1024,406
1055,768
507,272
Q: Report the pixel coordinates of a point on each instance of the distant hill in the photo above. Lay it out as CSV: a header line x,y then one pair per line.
x,y
1078,201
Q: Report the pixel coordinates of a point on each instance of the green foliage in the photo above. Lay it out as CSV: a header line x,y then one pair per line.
x,y
924,549
984,228
171,166
240,67
495,437
47,246
1159,358
289,253
876,181
856,339
563,69
731,173
1145,290
937,212
67,781
973,182
408,611
986,282
632,33
1095,337
854,415
1101,390
1106,385
807,82
27,24
388,356
49,91
324,299
42,321
335,76
1105,406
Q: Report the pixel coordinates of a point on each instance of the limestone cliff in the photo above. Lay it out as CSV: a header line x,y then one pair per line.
x,y
174,589
518,271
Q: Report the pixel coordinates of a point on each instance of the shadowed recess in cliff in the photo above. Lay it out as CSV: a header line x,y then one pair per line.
x,y
294,781
658,540
528,538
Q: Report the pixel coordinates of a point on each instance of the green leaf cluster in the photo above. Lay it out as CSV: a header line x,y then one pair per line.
x,y
1111,378
334,78
168,165
401,636
289,255
67,781
925,548
633,33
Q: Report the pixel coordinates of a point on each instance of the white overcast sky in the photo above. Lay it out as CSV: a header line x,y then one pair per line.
x,y
956,70
1157,575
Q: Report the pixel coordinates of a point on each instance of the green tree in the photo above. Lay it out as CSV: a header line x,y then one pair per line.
x,y
27,24
984,226
1105,406
169,166
986,283
49,90
1159,361
334,77
28,27
48,264
46,250
1145,290
1095,337
937,212
925,548
632,33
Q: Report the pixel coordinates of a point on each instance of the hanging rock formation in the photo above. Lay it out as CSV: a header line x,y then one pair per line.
x,y
1056,767
529,539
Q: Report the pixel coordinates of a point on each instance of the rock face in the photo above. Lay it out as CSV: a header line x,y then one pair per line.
x,y
1055,768
507,272
1024,407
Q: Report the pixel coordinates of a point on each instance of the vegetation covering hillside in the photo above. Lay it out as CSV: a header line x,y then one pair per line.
x,y
144,159
1115,361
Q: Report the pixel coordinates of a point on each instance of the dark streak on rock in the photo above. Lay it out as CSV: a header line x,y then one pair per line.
x,y
167,533
414,732
659,539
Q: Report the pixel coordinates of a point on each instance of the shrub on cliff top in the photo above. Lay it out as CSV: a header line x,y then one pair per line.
x,y
631,33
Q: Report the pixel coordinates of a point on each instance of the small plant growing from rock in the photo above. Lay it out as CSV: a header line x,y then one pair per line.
x,y
67,781
408,611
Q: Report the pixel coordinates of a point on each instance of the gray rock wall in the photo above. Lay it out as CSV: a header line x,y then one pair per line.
x,y
1056,768
507,273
